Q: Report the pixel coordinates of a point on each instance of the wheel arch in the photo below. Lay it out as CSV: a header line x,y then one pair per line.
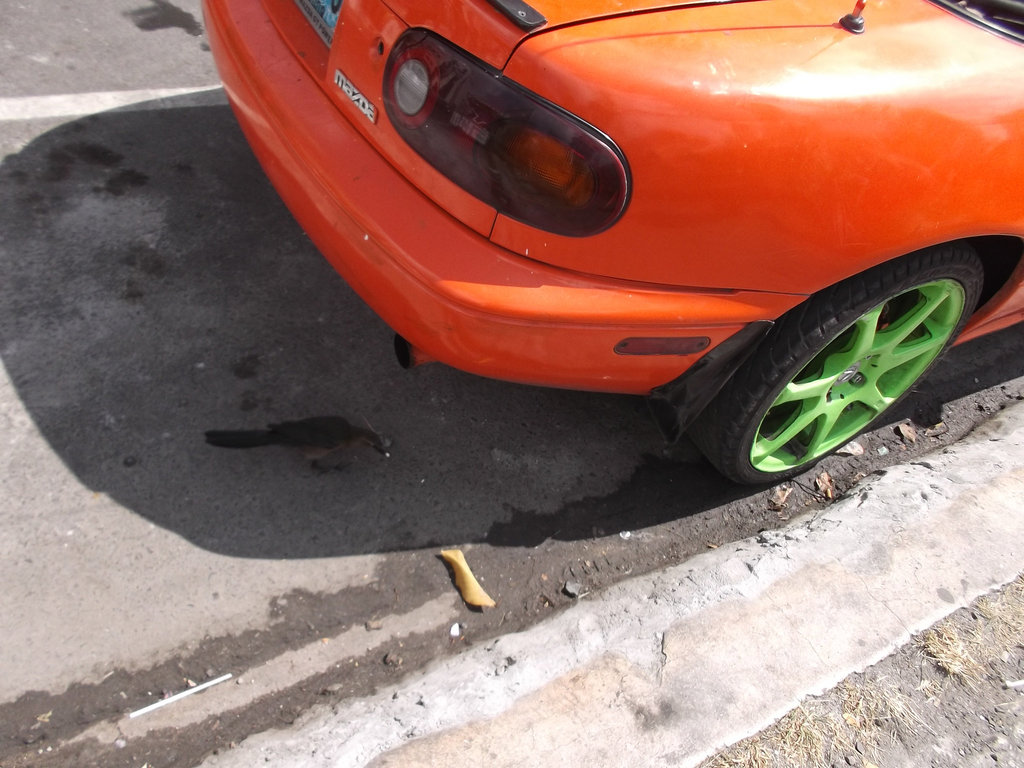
x,y
1000,256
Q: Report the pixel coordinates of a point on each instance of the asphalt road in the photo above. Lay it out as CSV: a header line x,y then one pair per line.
x,y
153,287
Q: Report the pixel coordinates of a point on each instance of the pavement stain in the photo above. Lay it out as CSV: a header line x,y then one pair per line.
x,y
123,181
60,160
160,14
144,258
143,263
246,366
251,400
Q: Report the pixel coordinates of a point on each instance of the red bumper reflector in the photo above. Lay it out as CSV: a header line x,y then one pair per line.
x,y
662,345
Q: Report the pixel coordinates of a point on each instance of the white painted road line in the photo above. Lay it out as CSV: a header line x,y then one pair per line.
x,y
80,104
279,673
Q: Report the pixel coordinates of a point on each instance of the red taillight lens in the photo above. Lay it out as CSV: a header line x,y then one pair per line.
x,y
520,154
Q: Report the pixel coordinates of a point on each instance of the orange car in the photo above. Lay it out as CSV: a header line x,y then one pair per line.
x,y
770,216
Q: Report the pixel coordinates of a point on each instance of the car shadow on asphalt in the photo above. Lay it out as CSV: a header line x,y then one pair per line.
x,y
155,287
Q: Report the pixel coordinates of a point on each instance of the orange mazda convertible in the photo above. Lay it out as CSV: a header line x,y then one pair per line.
x,y
769,216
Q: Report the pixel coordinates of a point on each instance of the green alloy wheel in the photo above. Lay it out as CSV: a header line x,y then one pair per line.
x,y
832,366
859,374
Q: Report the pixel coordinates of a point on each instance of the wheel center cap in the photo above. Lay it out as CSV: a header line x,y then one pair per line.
x,y
849,373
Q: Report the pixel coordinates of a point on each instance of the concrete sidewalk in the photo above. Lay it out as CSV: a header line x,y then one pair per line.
x,y
666,669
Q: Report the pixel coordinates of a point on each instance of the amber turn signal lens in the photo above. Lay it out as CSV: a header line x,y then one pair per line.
x,y
547,165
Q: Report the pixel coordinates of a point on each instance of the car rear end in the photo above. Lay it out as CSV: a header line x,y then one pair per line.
x,y
331,112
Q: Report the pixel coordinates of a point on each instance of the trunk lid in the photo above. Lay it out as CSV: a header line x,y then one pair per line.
x,y
486,28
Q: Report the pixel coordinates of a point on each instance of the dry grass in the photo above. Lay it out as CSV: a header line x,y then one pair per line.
x,y
1004,620
949,647
749,753
931,689
879,708
810,737
820,732
963,646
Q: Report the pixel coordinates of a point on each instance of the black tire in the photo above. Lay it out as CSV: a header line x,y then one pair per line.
x,y
805,338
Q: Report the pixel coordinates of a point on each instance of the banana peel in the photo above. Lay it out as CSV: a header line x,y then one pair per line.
x,y
465,581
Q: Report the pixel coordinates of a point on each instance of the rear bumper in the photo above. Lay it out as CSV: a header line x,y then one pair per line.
x,y
445,288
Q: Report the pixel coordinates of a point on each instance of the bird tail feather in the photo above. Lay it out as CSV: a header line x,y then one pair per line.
x,y
241,438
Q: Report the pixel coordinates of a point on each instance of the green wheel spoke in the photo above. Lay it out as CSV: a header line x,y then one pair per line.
x,y
862,341
821,439
804,390
906,325
865,336
920,317
767,446
874,399
925,347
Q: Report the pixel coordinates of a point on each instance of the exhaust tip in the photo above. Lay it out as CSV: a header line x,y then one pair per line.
x,y
408,355
403,351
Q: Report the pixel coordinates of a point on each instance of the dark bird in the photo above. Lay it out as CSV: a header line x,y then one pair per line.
x,y
316,437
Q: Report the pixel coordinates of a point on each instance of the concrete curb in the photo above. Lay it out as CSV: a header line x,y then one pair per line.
x,y
668,668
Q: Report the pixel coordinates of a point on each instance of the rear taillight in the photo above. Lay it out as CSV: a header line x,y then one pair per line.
x,y
518,153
